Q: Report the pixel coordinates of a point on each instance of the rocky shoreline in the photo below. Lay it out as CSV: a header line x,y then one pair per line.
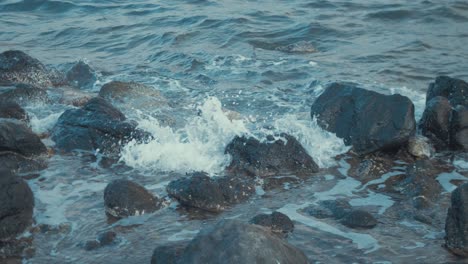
x,y
380,129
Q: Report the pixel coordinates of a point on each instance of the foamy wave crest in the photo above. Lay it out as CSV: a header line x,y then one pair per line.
x,y
320,144
199,146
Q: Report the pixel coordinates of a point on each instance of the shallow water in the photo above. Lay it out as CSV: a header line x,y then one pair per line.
x,y
266,60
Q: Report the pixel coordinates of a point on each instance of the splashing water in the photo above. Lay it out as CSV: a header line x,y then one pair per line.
x,y
199,146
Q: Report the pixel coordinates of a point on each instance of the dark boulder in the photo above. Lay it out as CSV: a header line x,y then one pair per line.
x,y
16,206
97,125
276,156
456,224
18,163
455,90
367,120
210,194
13,110
24,94
124,198
168,254
435,121
18,67
81,75
276,221
359,219
459,128
232,242
16,137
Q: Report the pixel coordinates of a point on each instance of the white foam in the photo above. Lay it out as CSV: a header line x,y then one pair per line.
x,y
199,146
445,178
363,241
43,125
417,97
182,235
461,164
321,145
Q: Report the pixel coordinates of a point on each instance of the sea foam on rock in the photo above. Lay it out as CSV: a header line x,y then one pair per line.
x,y
367,120
275,156
96,126
456,224
232,241
124,198
24,94
445,118
16,206
210,194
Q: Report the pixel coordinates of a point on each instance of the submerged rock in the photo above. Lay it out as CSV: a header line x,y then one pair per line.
x,y
124,198
210,194
367,120
81,75
263,159
276,221
16,137
16,206
168,254
13,110
18,67
359,219
232,241
96,126
25,94
456,224
329,208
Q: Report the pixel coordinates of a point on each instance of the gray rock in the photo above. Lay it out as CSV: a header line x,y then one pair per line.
x,y
456,224
124,198
233,242
13,110
459,128
16,207
16,137
276,221
24,94
420,147
455,90
81,75
254,158
18,163
359,219
367,120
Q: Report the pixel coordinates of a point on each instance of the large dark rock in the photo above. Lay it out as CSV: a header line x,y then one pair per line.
x,y
367,120
18,67
16,206
232,242
276,221
359,219
13,110
459,128
456,224
24,94
81,75
16,137
210,194
124,198
435,121
255,158
455,90
97,125
168,254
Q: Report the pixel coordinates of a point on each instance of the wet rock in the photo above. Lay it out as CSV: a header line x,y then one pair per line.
x,y
420,147
25,94
16,207
232,241
91,245
263,159
168,254
367,120
124,198
435,121
456,224
211,194
96,126
16,137
18,163
14,250
81,75
18,67
419,180
455,90
276,221
459,128
13,110
329,208
72,96
132,94
284,182
359,219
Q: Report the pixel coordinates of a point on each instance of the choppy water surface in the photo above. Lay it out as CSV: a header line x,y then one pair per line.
x,y
267,60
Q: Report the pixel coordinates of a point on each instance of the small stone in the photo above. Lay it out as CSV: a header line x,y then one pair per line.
x,y
359,219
